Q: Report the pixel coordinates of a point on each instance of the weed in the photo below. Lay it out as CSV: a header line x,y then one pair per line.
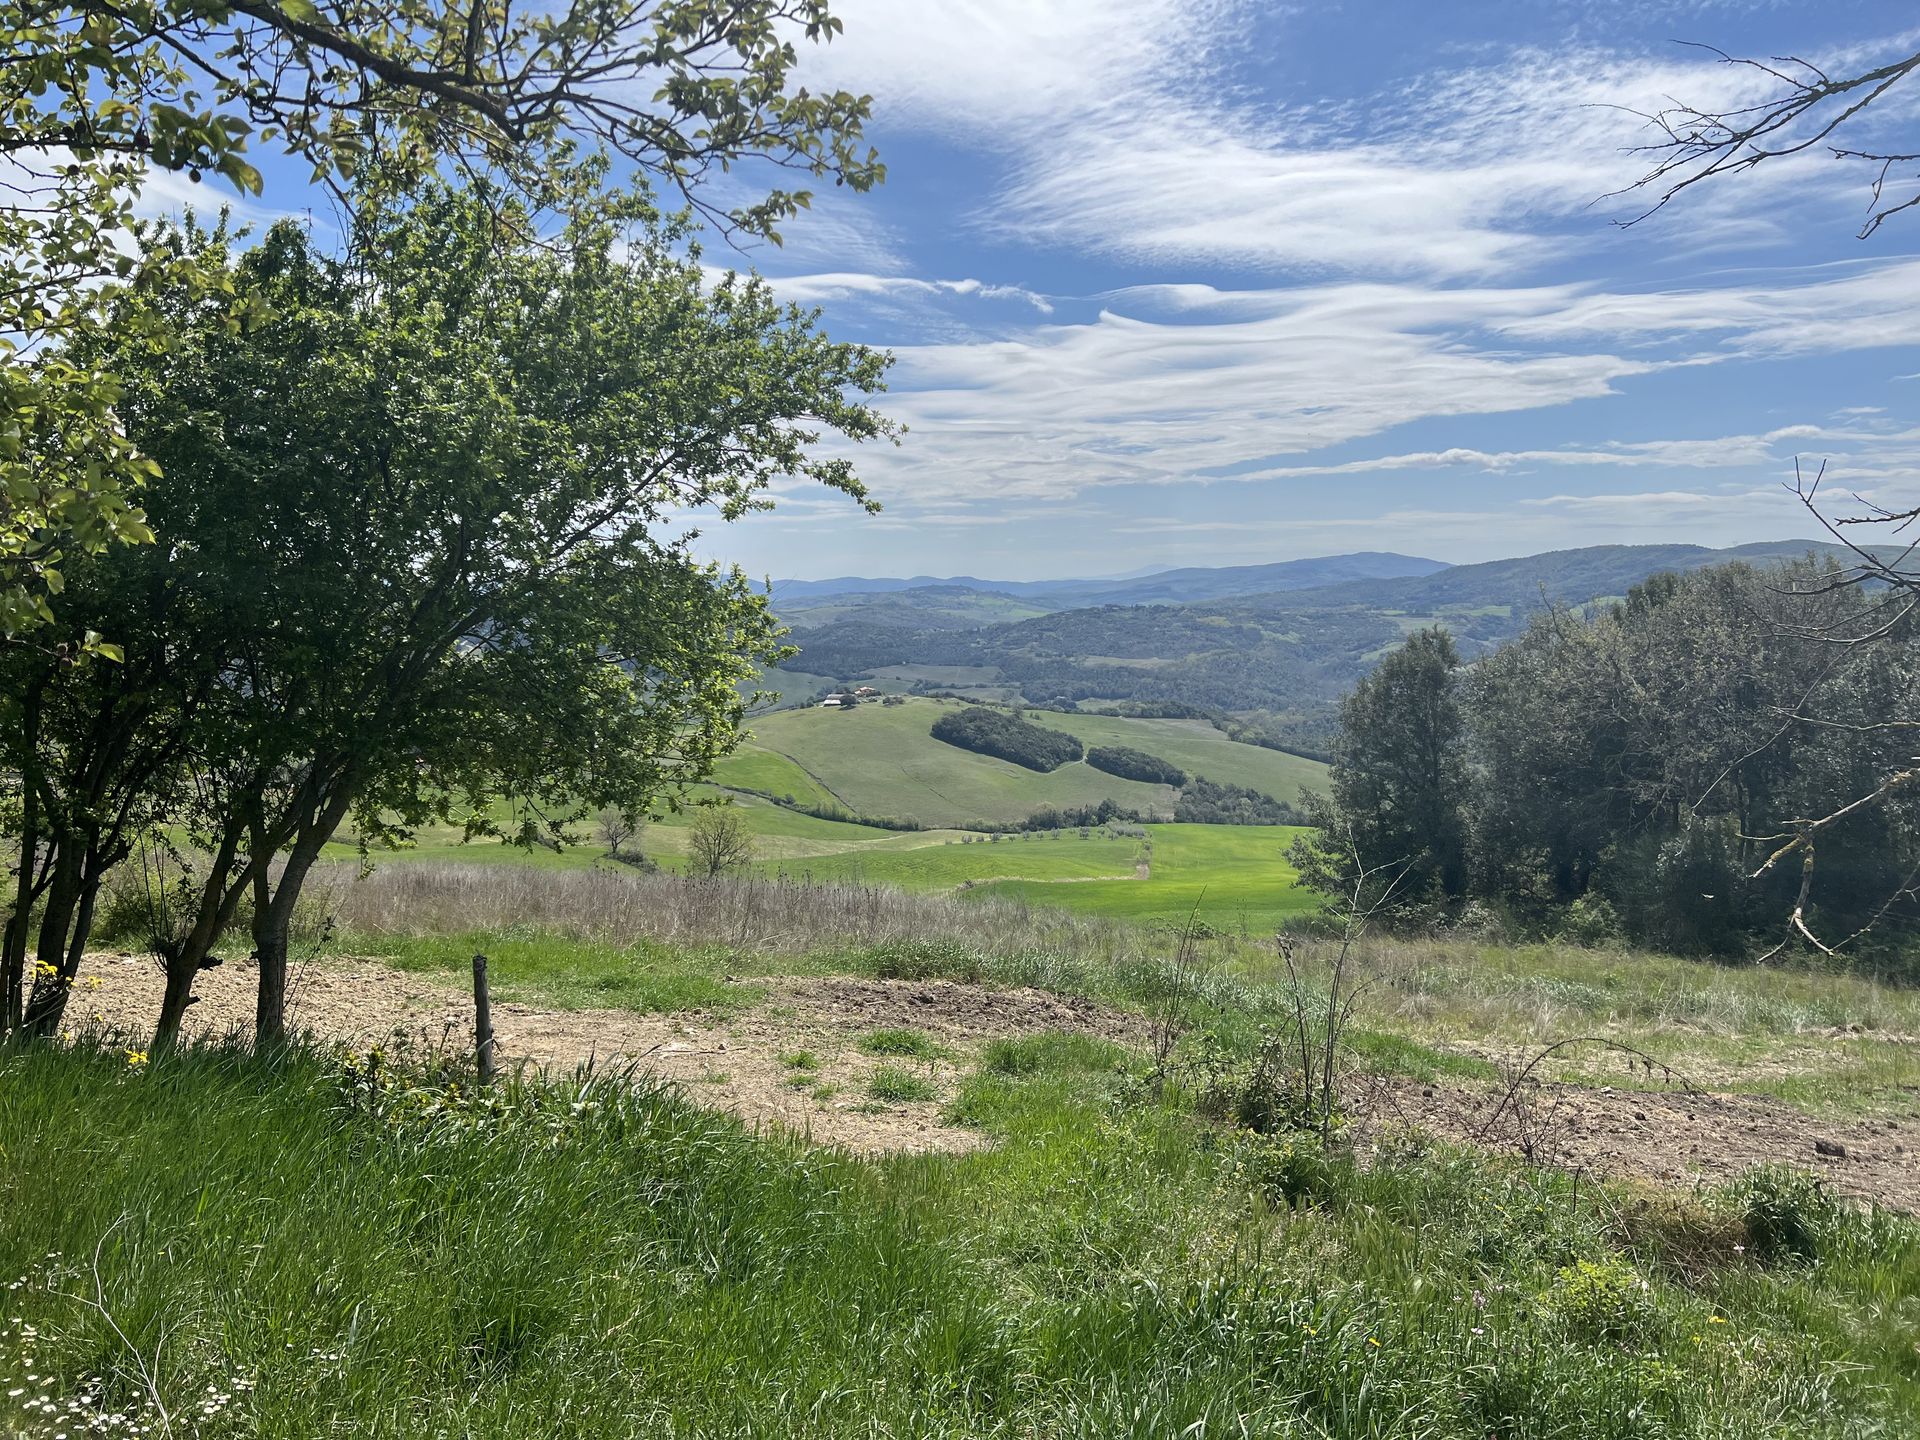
x,y
910,1044
897,1085
800,1060
1788,1213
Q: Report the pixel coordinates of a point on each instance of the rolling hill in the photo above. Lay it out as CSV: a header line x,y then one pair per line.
x,y
881,760
1283,657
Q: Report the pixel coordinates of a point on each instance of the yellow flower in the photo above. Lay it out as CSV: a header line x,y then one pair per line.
x,y
1373,1342
93,982
136,1058
1717,1320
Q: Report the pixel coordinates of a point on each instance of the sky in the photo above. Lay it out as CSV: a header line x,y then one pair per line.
x,y
1219,282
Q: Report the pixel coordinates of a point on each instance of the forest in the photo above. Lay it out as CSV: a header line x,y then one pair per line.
x,y
1720,755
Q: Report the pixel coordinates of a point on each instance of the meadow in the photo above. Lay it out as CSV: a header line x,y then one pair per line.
x,y
342,1241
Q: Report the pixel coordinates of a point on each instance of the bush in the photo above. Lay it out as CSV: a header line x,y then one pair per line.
x,y
1603,1300
1131,764
1005,736
1590,921
1203,802
1788,1213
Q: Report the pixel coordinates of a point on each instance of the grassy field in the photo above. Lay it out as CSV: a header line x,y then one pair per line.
x,y
214,1246
1235,877
880,760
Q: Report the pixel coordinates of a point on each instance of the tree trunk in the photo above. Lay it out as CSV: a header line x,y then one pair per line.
x,y
49,1006
13,946
174,1003
272,933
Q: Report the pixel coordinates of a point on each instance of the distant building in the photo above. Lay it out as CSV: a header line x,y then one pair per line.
x,y
837,701
866,690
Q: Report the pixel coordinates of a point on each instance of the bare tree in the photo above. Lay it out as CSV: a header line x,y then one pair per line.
x,y
1807,111
620,831
718,841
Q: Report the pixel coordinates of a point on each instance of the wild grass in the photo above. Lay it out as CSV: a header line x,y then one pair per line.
x,y
346,1250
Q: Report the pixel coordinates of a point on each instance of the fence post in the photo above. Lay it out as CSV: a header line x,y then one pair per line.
x,y
482,1021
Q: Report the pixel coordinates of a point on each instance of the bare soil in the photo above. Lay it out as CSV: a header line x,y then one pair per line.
x,y
745,1064
739,1063
1674,1136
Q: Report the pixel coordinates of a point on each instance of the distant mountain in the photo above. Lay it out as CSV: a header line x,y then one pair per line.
x,y
1281,655
797,599
1571,577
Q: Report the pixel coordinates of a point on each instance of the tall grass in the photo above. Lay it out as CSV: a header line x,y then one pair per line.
x,y
300,1248
777,915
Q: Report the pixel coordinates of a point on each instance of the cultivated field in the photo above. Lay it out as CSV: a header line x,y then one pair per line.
x,y
880,760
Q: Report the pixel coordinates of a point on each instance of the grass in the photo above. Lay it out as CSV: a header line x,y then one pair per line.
x,y
896,1085
915,1044
1235,877
881,760
337,1250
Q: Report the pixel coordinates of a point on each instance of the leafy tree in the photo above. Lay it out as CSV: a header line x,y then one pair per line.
x,y
1399,784
1131,764
425,508
94,97
1006,736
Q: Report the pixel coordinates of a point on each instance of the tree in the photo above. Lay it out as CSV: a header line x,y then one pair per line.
x,y
1808,110
718,841
1399,780
418,509
374,93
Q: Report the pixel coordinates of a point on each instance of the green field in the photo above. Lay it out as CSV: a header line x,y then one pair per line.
x,y
1235,876
881,760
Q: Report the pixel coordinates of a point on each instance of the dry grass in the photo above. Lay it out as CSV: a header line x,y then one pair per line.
x,y
767,915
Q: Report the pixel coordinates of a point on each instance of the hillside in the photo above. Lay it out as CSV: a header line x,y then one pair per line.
x,y
881,760
925,601
1286,655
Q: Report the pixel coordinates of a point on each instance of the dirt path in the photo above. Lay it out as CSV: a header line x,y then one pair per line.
x,y
742,1064
734,1063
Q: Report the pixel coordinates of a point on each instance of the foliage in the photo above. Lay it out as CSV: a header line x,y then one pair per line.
x,y
1202,802
1006,736
1603,1300
414,562
1131,764
1788,1213
378,92
1399,787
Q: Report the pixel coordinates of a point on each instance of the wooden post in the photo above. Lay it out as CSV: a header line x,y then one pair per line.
x,y
482,1021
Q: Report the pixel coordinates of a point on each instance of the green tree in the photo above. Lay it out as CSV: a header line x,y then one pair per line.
x,y
431,507
1399,786
93,97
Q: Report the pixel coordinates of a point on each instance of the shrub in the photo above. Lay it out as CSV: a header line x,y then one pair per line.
x,y
1788,1213
1292,1170
1590,921
898,1085
1202,802
1603,1300
1131,764
1005,736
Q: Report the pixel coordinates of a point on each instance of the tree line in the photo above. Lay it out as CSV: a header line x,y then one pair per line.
x,y
1641,768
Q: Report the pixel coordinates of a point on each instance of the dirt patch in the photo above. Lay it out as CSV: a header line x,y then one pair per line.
x,y
793,1062
1675,1137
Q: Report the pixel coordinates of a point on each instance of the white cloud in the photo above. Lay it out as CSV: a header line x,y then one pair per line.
x,y
841,285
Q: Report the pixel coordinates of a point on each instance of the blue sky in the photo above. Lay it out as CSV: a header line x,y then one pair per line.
x,y
1194,282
